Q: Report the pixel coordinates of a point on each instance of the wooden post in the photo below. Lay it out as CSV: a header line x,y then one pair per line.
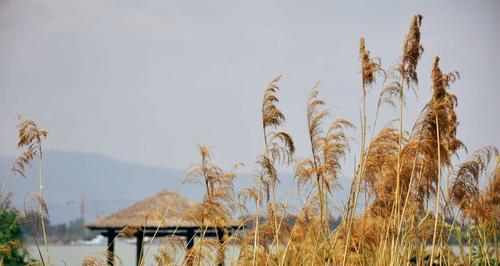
x,y
220,236
111,234
139,245
189,246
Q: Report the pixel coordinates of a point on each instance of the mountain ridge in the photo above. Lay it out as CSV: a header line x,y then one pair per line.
x,y
106,184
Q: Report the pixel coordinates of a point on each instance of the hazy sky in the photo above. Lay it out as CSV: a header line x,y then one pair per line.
x,y
145,81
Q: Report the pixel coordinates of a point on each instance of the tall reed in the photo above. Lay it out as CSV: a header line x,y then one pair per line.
x,y
412,211
30,139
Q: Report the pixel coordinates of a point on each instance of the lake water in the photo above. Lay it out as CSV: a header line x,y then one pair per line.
x,y
72,255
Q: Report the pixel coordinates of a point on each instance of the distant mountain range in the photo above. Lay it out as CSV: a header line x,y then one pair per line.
x,y
105,184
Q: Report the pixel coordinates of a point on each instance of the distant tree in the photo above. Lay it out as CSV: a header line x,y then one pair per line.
x,y
76,228
12,250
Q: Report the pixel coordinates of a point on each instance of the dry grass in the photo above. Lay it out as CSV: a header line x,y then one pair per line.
x,y
416,200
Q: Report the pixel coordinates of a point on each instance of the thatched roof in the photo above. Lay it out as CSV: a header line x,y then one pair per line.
x,y
149,212
151,208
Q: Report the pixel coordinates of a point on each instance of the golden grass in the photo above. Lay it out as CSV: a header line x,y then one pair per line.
x,y
416,200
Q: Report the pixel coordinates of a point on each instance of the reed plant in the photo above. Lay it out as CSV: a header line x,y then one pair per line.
x,y
30,139
417,199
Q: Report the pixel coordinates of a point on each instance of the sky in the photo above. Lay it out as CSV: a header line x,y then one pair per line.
x,y
146,81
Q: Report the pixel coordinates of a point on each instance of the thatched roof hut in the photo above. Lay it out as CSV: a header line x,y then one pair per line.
x,y
157,216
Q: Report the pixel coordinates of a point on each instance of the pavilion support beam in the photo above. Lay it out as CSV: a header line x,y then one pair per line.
x,y
190,235
139,246
220,236
111,234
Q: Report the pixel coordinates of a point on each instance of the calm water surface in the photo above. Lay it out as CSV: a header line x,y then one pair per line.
x,y
73,255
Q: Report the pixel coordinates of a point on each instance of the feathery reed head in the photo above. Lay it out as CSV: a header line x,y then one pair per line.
x,y
30,137
369,66
271,115
440,81
217,206
101,259
328,147
279,144
465,191
412,51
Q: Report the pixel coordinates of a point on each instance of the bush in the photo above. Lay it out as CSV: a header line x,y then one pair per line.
x,y
12,250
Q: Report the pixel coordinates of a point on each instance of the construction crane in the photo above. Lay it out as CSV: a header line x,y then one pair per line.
x,y
98,203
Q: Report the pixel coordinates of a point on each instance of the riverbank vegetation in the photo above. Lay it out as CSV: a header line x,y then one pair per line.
x,y
417,200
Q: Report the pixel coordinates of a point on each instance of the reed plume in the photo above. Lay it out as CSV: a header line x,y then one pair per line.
x,y
278,149
327,149
370,68
418,156
405,172
278,145
171,246
217,207
100,259
482,206
412,52
30,139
